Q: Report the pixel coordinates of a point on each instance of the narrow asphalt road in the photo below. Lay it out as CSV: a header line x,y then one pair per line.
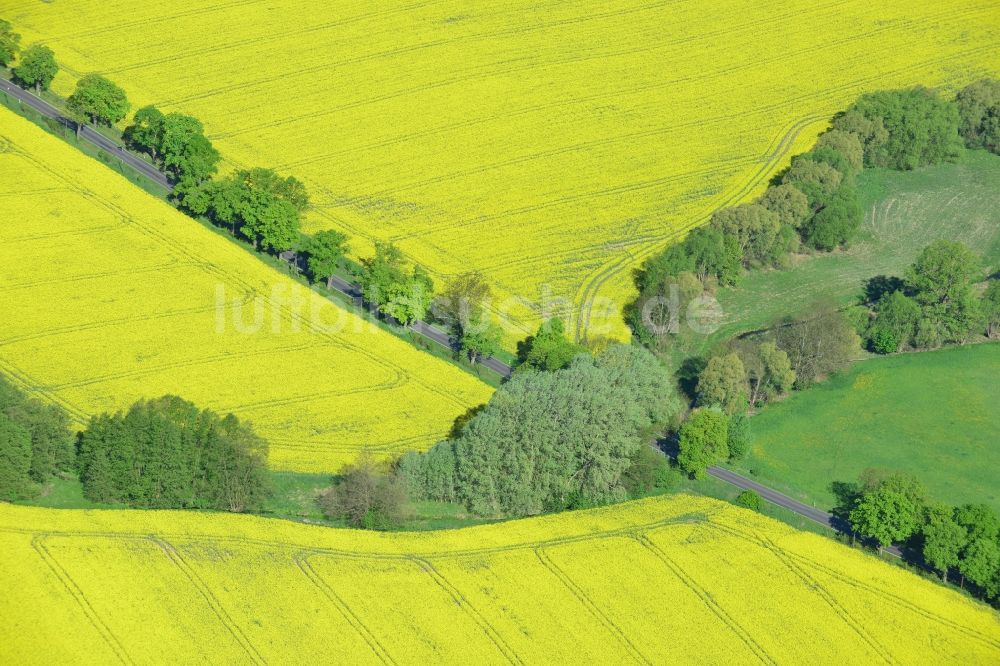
x,y
349,289
87,132
784,501
353,291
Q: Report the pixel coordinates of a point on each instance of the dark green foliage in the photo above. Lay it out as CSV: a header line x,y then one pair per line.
x,y
550,440
548,349
989,308
837,221
15,459
703,441
788,203
817,180
980,564
324,253
649,473
98,99
386,284
920,128
979,520
165,453
240,202
979,111
738,440
940,281
944,540
849,147
895,325
889,510
145,134
366,498
50,442
9,43
185,152
748,499
37,67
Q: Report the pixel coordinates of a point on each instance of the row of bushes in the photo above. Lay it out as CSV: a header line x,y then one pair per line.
x,y
814,202
894,508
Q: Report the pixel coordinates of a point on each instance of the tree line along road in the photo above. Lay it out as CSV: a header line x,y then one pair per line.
x,y
353,291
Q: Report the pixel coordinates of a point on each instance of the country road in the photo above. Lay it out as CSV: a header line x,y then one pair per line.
x,y
353,291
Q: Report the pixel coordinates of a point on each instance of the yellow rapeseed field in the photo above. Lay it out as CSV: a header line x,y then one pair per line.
x,y
668,580
110,295
552,145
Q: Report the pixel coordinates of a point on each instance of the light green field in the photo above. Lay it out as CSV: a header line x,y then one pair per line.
x,y
933,414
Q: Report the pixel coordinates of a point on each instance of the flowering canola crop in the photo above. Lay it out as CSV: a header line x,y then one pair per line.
x,y
667,580
111,295
551,145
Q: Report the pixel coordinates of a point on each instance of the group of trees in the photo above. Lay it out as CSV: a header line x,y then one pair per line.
x,y
894,509
177,144
35,443
463,307
166,453
814,202
547,441
933,304
36,65
710,436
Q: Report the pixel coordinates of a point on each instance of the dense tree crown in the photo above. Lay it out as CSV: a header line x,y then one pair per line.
x,y
98,100
979,114
37,67
10,43
549,349
35,442
166,453
551,440
405,295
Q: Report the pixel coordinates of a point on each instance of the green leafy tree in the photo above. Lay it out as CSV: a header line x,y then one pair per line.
x,y
463,301
165,453
818,345
896,321
548,349
738,439
187,154
258,215
837,222
849,147
980,563
10,43
99,100
940,281
748,499
15,460
871,132
769,372
979,111
287,188
920,128
145,134
886,515
989,307
52,443
703,441
37,67
723,383
366,497
325,251
757,232
788,203
817,180
979,520
944,539
481,340
551,440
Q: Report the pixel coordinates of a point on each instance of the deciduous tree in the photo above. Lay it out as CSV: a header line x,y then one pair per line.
x,y
325,251
37,67
703,441
98,99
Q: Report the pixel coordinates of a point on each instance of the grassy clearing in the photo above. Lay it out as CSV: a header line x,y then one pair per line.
x,y
933,414
905,212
